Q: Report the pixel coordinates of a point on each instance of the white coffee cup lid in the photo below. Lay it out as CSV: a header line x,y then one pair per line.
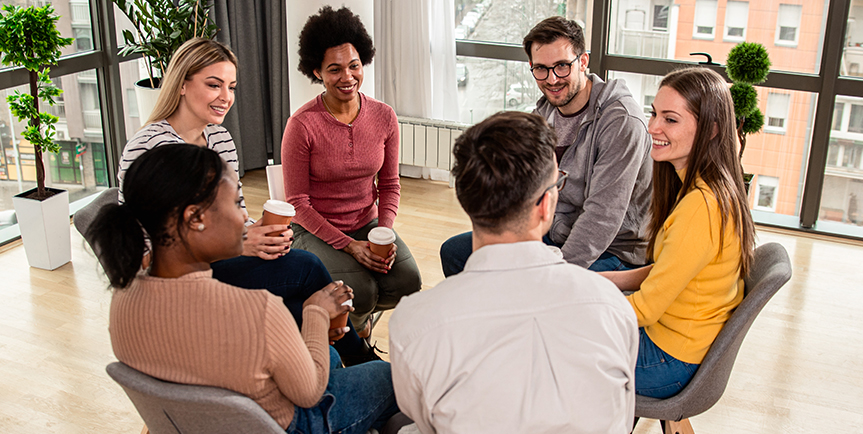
x,y
348,302
279,208
382,236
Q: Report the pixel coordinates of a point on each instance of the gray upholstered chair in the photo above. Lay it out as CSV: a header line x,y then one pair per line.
x,y
171,408
771,269
85,216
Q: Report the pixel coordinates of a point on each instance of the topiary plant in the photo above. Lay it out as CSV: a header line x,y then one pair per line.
x,y
748,63
29,39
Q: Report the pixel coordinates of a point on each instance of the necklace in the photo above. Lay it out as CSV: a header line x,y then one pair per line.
x,y
359,106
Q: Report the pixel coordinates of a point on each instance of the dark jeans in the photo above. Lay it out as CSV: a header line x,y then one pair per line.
x,y
455,251
294,277
357,398
657,374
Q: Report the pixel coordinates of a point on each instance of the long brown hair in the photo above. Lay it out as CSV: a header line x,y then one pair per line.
x,y
713,158
193,56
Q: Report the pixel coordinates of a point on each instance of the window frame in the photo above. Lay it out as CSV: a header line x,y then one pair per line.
x,y
104,58
825,82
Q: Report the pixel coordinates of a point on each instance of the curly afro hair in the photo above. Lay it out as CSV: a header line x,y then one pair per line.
x,y
331,28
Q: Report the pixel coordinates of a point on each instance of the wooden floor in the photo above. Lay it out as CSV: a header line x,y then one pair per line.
x,y
800,369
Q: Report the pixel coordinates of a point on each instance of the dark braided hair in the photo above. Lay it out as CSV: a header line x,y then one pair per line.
x,y
158,187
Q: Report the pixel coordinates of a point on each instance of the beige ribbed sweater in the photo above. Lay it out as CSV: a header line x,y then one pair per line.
x,y
197,330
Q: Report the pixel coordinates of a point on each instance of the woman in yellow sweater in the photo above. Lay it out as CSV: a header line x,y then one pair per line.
x,y
175,322
701,230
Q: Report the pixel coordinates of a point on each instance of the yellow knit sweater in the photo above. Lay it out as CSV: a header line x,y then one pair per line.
x,y
197,330
692,289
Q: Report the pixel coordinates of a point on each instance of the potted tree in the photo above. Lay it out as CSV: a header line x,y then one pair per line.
x,y
747,65
29,39
159,28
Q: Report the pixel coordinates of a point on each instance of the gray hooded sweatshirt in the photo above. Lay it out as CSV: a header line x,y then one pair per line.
x,y
604,204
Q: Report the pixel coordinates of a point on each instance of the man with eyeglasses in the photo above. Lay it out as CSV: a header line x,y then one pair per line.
x,y
604,146
521,341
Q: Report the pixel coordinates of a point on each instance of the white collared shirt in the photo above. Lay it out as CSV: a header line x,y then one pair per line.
x,y
519,342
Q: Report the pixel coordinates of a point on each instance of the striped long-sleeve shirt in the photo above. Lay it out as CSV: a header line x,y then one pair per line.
x,y
162,133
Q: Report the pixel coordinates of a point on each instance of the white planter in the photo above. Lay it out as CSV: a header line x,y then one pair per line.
x,y
147,97
45,229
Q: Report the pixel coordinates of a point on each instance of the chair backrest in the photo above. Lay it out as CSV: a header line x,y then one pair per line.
x,y
771,268
276,182
85,216
171,408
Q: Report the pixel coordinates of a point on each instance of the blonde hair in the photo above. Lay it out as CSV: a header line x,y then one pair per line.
x,y
193,56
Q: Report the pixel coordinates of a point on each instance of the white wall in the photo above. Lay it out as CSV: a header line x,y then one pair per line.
x,y
301,88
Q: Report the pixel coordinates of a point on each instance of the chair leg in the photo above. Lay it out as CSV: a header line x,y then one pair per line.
x,y
682,427
145,430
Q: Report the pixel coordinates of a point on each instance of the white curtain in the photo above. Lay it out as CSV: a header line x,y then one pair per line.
x,y
415,57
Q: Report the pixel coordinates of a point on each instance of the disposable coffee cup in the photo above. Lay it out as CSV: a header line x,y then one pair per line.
x,y
277,212
556,251
341,320
381,241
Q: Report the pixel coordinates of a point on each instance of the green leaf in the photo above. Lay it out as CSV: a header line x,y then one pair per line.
x,y
745,99
748,62
753,122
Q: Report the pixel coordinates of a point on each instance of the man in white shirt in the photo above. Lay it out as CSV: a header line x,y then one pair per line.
x,y
520,341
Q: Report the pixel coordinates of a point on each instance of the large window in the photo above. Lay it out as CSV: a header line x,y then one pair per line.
x,y
802,125
508,20
692,26
840,210
84,162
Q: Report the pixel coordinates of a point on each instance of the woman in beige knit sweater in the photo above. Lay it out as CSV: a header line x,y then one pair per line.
x,y
175,322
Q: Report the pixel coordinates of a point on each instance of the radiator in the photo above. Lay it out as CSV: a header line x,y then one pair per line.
x,y
428,142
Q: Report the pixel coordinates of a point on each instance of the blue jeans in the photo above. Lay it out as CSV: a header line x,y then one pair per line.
x,y
294,277
356,399
455,251
657,374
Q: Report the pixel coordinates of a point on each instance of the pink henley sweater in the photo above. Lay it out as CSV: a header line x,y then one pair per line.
x,y
329,169
197,330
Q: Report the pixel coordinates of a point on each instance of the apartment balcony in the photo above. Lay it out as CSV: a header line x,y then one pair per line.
x,y
643,43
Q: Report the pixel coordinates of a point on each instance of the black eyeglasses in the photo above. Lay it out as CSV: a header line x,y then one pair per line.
x,y
561,181
561,70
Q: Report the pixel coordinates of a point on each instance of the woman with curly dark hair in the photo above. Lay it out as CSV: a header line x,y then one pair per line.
x,y
334,149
